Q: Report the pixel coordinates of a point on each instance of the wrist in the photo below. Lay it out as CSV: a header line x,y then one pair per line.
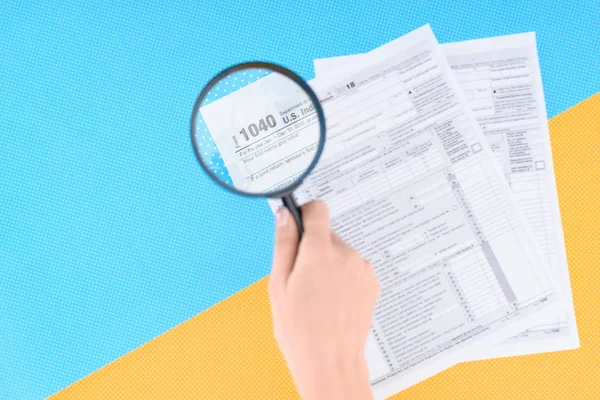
x,y
334,378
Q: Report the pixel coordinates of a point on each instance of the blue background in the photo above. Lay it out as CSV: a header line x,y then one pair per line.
x,y
110,233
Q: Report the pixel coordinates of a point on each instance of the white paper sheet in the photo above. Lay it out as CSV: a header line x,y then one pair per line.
x,y
411,184
502,81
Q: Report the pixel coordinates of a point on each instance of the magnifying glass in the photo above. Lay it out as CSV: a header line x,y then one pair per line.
x,y
258,129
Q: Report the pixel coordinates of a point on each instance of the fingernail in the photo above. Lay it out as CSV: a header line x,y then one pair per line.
x,y
281,218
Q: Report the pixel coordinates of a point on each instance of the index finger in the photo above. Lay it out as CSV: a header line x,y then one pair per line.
x,y
315,218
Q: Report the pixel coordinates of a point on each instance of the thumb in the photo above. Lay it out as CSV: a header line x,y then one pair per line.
x,y
286,247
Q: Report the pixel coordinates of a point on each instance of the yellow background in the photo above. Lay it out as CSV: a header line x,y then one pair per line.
x,y
228,351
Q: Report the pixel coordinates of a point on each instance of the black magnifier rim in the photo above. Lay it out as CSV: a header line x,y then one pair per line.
x,y
279,69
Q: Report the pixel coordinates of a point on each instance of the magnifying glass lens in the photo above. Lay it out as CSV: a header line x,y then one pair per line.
x,y
257,130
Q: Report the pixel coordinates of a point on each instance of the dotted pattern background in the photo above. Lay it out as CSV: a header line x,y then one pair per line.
x,y
228,351
110,232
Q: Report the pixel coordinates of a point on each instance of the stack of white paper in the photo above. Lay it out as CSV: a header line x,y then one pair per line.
x,y
437,168
501,79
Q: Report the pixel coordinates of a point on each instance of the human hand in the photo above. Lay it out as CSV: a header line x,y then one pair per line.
x,y
322,299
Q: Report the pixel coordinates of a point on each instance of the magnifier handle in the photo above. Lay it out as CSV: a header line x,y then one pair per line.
x,y
290,204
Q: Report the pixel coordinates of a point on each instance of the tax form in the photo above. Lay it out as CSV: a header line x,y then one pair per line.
x,y
411,184
279,137
502,82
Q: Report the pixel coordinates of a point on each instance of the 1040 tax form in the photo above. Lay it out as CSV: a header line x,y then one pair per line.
x,y
502,82
412,185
